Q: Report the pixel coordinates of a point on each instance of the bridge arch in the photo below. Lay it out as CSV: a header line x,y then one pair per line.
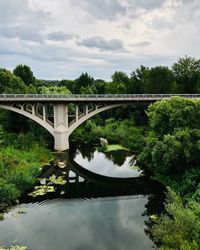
x,y
31,116
60,129
91,114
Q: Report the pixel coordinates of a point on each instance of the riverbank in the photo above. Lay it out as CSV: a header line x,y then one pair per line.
x,y
172,155
19,168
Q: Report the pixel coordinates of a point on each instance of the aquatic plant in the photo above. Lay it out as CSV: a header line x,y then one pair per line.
x,y
57,180
114,147
42,190
14,248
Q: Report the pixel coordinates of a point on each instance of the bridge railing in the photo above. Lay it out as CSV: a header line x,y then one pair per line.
x,y
101,96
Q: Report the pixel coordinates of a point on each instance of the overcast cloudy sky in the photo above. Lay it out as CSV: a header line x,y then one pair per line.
x,y
63,38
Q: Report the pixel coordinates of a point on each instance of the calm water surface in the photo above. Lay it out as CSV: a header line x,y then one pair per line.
x,y
113,164
84,218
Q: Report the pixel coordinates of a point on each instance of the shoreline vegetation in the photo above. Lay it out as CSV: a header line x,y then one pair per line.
x,y
19,168
114,147
172,155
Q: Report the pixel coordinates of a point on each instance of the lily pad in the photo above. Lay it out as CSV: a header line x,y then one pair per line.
x,y
42,190
57,180
14,248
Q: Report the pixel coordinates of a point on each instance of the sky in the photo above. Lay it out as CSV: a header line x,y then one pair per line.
x,y
60,39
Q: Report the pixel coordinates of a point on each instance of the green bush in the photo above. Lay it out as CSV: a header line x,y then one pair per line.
x,y
8,192
19,167
116,132
179,228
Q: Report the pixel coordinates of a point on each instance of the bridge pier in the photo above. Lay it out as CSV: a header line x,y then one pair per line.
x,y
61,131
61,140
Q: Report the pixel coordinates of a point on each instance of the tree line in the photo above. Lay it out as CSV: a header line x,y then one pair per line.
x,y
182,77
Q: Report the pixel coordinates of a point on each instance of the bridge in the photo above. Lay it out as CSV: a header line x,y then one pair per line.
x,y
62,114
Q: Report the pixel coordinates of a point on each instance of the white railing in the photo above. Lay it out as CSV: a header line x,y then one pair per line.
x,y
94,96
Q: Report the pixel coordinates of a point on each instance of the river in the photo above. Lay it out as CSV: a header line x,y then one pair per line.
x,y
105,204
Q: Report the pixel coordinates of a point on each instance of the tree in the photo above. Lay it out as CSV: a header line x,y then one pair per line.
x,y
159,80
180,227
115,88
84,80
100,86
173,146
25,73
168,115
187,74
122,82
55,90
66,83
9,83
138,79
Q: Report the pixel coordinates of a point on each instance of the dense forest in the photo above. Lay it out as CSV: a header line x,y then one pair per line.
x,y
166,136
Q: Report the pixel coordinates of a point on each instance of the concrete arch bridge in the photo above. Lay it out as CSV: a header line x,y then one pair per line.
x,y
62,114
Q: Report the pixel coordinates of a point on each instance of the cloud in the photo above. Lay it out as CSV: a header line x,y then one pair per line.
x,y
141,44
19,20
102,9
60,36
21,32
19,12
161,23
150,4
102,44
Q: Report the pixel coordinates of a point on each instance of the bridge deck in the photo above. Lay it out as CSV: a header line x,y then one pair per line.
x,y
89,98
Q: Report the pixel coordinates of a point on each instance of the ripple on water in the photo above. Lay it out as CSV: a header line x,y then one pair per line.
x,y
98,223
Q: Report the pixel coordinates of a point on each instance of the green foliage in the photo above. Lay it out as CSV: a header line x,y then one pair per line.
x,y
187,74
9,83
120,83
172,154
25,73
116,132
159,80
179,228
8,192
138,79
84,81
19,168
167,115
54,90
113,147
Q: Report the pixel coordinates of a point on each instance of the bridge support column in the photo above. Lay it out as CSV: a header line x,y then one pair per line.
x,y
61,140
61,131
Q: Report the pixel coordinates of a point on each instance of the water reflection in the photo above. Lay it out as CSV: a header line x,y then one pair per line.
x,y
92,224
95,212
113,164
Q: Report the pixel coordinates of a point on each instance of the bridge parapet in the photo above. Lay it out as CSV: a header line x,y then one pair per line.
x,y
89,98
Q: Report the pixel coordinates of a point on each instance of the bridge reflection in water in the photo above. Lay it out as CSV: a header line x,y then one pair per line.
x,y
82,183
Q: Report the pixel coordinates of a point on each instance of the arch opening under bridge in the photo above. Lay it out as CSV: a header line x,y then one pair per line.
x,y
60,126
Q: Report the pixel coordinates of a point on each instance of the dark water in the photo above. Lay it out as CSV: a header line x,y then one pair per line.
x,y
95,212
